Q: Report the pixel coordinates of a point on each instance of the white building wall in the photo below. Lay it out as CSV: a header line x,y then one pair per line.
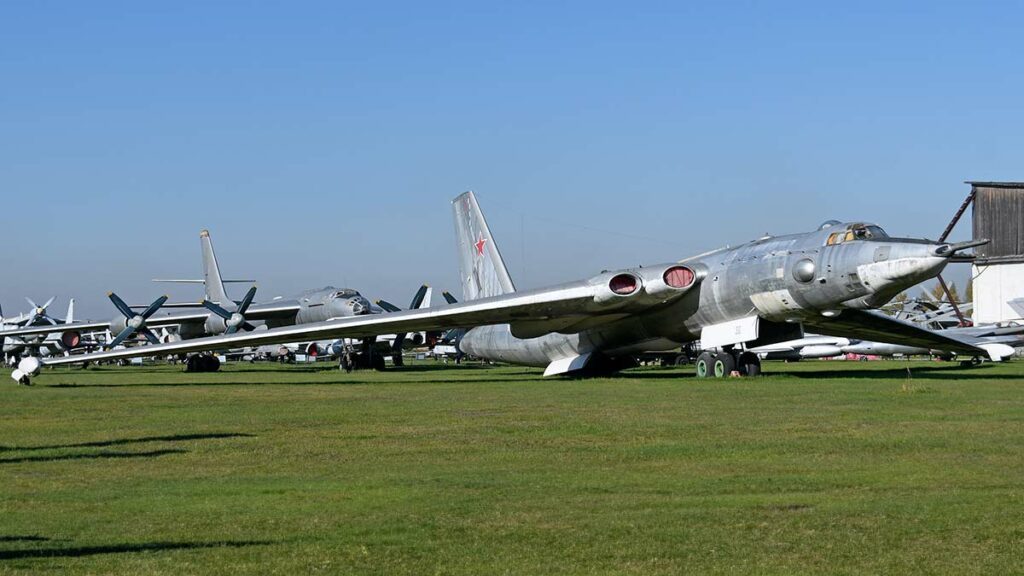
x,y
994,286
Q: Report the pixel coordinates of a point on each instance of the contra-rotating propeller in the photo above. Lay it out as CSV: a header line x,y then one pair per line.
x,y
37,310
234,320
136,323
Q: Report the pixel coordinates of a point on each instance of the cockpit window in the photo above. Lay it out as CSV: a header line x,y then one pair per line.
x,y
345,294
856,232
877,233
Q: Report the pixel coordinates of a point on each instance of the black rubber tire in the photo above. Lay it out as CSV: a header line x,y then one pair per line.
x,y
749,364
724,364
212,364
682,360
378,363
705,365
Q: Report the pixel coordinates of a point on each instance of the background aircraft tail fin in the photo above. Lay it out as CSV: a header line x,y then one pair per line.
x,y
211,272
1018,306
482,270
71,312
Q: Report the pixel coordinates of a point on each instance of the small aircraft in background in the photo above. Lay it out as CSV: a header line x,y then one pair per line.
x,y
217,313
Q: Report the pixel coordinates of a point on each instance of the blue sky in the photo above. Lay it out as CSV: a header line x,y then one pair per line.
x,y
322,142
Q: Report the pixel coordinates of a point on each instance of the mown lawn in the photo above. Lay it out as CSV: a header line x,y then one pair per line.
x,y
821,467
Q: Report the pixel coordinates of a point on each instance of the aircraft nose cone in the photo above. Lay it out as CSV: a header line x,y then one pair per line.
x,y
898,266
359,306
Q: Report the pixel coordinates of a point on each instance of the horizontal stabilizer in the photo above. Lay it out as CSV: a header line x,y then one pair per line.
x,y
198,281
173,305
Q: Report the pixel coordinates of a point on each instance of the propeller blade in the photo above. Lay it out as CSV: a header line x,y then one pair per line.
x,y
248,327
247,300
154,306
31,303
120,305
418,298
121,337
48,302
449,298
216,309
388,306
150,336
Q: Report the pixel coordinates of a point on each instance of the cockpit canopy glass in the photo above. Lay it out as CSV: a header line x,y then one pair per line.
x,y
345,293
856,232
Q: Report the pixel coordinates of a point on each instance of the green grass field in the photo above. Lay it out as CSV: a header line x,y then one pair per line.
x,y
845,468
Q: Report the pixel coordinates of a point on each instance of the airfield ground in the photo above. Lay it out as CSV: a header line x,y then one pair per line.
x,y
818,468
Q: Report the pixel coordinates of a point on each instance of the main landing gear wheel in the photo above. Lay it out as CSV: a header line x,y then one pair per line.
x,y
202,363
749,364
705,364
725,363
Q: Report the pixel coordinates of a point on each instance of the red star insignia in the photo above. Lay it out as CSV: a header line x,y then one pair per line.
x,y
480,246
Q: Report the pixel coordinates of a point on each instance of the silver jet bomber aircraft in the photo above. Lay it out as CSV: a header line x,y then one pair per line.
x,y
761,292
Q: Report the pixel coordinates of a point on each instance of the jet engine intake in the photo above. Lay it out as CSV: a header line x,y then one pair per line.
x,y
664,283
70,339
616,287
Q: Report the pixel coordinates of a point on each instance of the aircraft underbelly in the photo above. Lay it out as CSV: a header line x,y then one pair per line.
x,y
619,339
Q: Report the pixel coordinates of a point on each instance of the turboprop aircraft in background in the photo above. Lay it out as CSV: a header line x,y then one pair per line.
x,y
761,292
40,343
221,316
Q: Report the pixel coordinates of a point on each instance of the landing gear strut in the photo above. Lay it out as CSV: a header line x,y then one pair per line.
x,y
367,357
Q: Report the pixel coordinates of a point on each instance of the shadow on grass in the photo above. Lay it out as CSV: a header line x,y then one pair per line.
x,y
340,382
98,455
32,538
930,372
79,551
122,441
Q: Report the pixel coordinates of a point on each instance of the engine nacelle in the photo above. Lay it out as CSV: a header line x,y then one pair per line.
x,y
118,324
646,285
616,287
668,282
215,324
70,340
312,349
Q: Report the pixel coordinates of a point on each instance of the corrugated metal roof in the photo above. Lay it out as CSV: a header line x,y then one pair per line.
x,y
982,184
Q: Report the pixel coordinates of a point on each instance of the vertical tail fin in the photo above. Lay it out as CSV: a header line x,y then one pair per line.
x,y
211,272
71,312
483,272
